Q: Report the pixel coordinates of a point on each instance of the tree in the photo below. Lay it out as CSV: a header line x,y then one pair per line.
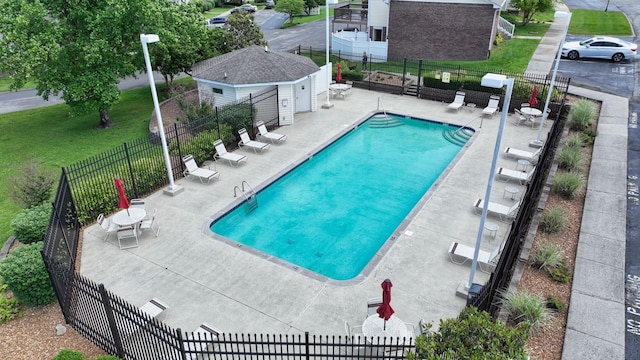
x,y
241,31
530,7
472,335
291,7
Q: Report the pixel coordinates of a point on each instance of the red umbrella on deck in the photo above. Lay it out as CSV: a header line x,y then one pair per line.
x,y
123,203
385,310
534,100
338,73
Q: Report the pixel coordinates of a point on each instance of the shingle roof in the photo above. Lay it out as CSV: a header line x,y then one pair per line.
x,y
254,65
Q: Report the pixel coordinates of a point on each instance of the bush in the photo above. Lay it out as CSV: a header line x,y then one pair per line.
x,y
32,186
9,307
554,303
552,220
525,307
24,272
581,114
69,355
31,224
472,335
546,256
569,158
568,184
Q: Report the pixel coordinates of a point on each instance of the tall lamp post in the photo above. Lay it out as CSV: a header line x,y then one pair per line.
x,y
173,189
327,104
496,81
558,15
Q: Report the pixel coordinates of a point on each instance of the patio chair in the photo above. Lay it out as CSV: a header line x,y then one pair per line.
x,y
222,153
516,154
192,170
107,226
274,138
506,213
458,101
372,305
150,223
245,140
460,254
127,232
522,176
492,107
200,340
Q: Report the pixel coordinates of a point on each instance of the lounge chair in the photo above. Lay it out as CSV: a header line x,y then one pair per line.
x,y
460,254
193,171
274,138
458,101
200,340
492,108
107,225
222,153
522,154
245,140
506,213
522,176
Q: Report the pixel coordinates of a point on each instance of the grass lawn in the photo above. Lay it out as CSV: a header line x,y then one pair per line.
x,y
595,22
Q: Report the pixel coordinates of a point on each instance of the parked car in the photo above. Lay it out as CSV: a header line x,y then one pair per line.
x,y
217,22
270,4
600,47
246,8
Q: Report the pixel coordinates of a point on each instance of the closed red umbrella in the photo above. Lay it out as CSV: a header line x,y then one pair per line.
x,y
534,100
123,203
385,310
338,73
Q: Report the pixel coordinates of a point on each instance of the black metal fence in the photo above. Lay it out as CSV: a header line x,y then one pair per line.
x,y
140,163
123,330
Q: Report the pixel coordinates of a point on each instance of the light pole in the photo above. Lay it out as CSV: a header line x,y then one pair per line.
x,y
557,15
327,104
173,189
494,81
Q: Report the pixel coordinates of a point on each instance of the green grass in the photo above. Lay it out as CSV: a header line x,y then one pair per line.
x,y
52,137
595,22
303,19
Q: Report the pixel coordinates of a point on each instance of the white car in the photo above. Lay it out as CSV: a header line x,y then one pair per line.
x,y
600,47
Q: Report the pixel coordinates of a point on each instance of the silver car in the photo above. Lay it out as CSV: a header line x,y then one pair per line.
x,y
600,47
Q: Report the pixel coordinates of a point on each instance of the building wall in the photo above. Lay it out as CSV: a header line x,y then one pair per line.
x,y
440,30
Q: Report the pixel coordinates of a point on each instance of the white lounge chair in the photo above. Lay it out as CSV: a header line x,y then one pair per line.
x,y
492,107
460,254
245,140
506,213
192,170
458,101
522,154
274,138
522,176
222,153
201,340
107,225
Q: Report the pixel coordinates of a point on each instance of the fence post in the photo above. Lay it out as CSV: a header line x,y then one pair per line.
x,y
117,341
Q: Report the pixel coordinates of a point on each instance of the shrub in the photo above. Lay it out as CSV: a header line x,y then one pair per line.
x,y
31,224
472,335
525,307
9,307
581,114
24,272
560,273
546,256
568,184
569,158
552,220
32,185
554,303
67,354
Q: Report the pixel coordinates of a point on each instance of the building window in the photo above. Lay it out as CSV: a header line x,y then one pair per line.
x,y
216,90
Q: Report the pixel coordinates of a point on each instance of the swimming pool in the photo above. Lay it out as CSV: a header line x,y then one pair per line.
x,y
332,213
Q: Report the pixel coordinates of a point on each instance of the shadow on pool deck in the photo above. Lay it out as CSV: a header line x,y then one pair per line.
x,y
204,280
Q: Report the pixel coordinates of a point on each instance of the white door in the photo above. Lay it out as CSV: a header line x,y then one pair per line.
x,y
303,95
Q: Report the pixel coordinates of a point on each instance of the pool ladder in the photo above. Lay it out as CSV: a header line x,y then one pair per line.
x,y
250,196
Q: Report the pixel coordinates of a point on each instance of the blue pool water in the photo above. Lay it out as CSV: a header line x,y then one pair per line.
x,y
333,212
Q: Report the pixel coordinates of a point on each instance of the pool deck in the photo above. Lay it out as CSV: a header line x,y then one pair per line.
x,y
206,280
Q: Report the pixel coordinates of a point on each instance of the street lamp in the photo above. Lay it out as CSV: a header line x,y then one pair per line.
x,y
173,189
327,104
557,15
494,81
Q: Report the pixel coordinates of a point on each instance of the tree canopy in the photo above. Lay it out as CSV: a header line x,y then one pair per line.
x,y
531,7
